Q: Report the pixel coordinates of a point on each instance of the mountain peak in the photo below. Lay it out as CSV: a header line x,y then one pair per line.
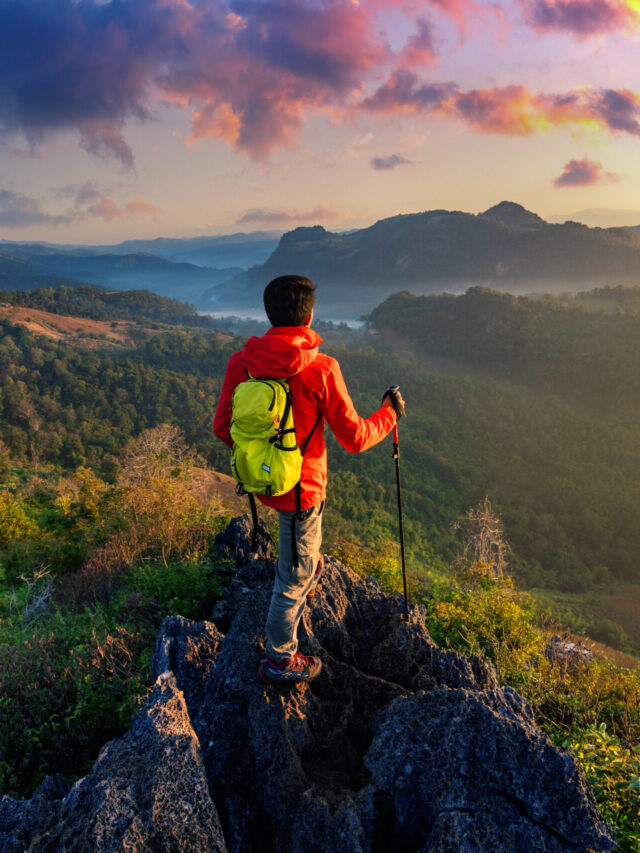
x,y
513,215
304,234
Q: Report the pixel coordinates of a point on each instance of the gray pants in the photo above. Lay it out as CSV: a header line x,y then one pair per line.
x,y
293,582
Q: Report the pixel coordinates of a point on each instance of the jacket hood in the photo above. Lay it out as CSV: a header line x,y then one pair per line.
x,y
282,352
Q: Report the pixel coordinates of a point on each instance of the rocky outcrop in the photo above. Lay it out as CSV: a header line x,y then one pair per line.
x,y
398,745
147,791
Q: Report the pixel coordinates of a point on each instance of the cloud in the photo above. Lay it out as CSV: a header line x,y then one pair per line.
x,y
19,211
403,92
584,173
82,194
66,64
420,48
106,208
511,110
268,216
248,70
583,17
381,164
458,10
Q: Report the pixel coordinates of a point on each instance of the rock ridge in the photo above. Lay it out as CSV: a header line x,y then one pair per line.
x,y
398,745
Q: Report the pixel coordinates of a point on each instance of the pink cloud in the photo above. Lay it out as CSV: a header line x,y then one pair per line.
x,y
269,216
106,208
583,17
251,71
458,10
278,61
420,47
403,92
512,110
584,173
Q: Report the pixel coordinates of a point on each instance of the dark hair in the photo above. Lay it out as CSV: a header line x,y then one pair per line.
x,y
289,299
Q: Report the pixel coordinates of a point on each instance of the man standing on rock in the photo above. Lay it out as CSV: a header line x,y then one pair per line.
x,y
289,350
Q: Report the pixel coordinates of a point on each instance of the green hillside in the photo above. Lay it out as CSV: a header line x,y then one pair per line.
x,y
546,441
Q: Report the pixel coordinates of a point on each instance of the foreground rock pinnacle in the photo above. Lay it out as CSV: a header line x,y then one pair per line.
x,y
397,746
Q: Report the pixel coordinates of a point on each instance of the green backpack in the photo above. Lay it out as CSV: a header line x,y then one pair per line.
x,y
266,458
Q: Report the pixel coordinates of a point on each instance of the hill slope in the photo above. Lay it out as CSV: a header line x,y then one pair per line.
x,y
506,246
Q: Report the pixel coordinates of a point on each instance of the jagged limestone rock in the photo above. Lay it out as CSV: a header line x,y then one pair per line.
x,y
397,745
147,791
189,651
447,760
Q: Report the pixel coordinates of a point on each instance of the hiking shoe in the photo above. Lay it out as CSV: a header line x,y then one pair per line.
x,y
316,577
298,668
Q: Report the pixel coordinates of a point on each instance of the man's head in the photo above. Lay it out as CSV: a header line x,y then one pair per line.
x,y
289,300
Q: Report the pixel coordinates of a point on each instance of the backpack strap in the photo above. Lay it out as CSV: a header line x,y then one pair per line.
x,y
283,429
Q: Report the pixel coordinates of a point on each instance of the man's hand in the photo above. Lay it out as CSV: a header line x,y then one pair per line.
x,y
392,397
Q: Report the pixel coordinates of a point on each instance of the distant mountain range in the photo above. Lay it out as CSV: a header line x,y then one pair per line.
x,y
241,250
24,269
170,267
506,247
232,250
601,217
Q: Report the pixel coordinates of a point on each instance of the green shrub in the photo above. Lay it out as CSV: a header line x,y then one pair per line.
x,y
189,587
15,521
477,613
67,686
571,697
386,570
613,771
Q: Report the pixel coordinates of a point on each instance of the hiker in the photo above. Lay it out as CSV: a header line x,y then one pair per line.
x,y
289,350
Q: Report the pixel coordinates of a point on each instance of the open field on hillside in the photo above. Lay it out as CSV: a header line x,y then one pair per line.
x,y
71,329
621,605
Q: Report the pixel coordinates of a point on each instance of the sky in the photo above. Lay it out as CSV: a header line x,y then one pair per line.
x,y
142,118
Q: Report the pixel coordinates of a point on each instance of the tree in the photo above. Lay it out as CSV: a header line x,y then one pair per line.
x,y
483,539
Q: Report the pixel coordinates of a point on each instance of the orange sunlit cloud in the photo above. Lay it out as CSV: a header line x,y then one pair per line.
x,y
512,110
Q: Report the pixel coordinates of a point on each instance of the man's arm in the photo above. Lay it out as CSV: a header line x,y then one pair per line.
x,y
352,431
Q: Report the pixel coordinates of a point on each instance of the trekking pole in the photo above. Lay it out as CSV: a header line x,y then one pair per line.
x,y
396,456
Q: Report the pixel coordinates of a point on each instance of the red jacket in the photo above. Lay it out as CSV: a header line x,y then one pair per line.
x,y
317,386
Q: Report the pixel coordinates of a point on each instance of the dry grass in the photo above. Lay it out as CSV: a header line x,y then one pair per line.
x,y
621,606
60,327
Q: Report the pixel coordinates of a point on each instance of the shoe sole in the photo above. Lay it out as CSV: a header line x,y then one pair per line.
x,y
291,682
